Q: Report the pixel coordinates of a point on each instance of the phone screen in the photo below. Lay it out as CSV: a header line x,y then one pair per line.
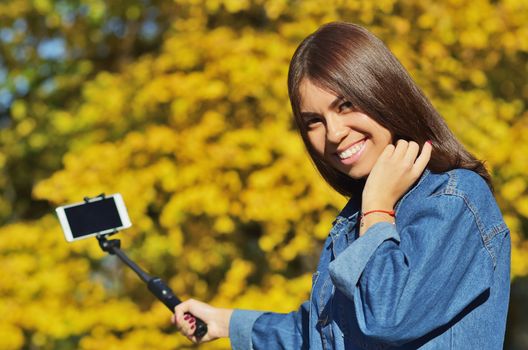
x,y
93,217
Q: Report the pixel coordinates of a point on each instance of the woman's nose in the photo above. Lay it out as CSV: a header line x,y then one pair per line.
x,y
336,130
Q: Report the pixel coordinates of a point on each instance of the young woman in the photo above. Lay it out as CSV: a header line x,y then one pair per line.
x,y
420,255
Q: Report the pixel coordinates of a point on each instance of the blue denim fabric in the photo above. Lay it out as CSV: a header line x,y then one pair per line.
x,y
437,279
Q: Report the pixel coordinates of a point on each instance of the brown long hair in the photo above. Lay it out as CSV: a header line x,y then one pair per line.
x,y
349,61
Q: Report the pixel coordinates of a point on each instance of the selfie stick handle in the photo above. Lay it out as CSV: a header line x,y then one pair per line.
x,y
155,284
163,292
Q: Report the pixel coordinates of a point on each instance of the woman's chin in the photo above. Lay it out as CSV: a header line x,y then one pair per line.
x,y
355,173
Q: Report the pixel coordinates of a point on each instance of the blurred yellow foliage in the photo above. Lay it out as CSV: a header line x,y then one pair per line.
x,y
199,140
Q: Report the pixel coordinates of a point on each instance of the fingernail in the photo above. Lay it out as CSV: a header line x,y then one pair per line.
x,y
430,142
186,317
192,320
192,327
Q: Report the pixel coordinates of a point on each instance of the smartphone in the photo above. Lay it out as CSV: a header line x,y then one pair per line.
x,y
96,216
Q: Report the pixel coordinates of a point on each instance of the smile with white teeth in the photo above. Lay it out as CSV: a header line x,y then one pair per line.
x,y
352,150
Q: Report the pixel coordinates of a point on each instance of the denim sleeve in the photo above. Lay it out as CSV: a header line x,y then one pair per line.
x,y
409,281
261,331
240,326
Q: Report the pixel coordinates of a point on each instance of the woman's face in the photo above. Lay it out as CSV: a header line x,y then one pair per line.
x,y
348,140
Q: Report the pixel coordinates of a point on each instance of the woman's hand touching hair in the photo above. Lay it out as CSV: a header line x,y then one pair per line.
x,y
395,171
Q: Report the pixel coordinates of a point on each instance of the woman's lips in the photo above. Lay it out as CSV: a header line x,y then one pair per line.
x,y
352,154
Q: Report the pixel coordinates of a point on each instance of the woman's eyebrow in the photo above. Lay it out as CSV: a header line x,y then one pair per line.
x,y
306,116
336,102
332,105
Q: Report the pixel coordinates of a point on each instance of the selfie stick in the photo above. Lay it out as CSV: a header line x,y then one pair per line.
x,y
155,284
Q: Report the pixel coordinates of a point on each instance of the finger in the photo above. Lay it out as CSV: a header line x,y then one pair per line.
x,y
182,316
179,311
388,151
191,336
401,149
191,321
423,159
188,326
412,152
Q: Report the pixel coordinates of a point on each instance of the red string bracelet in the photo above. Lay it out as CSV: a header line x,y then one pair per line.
x,y
388,212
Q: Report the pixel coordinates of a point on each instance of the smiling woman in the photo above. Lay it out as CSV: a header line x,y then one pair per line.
x,y
420,255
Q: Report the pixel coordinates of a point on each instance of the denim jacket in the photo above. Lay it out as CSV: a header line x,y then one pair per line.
x,y
437,279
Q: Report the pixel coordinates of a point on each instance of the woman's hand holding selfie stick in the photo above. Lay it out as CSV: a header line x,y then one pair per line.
x,y
217,320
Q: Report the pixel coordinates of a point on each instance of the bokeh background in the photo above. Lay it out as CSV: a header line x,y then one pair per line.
x,y
182,107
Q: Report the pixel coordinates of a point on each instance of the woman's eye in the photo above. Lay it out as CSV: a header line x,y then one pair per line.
x,y
345,106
